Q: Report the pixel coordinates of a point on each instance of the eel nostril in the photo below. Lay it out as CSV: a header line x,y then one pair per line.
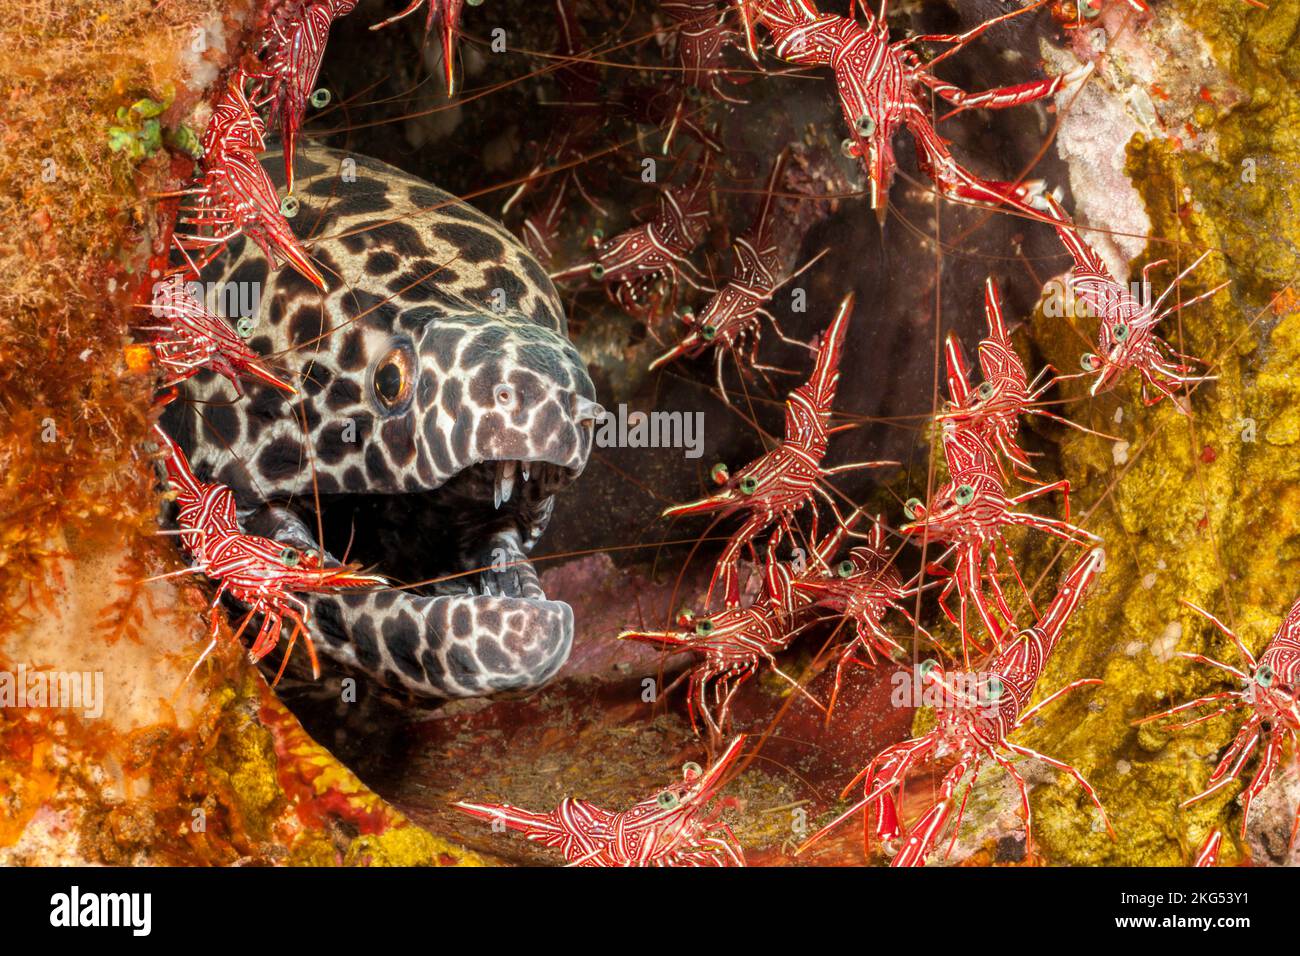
x,y
585,410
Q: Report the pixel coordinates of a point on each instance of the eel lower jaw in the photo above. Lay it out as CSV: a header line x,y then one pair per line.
x,y
504,569
466,614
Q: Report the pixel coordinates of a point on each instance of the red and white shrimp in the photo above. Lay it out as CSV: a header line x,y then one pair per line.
x,y
969,514
731,319
235,195
192,339
1126,337
672,828
884,86
703,37
633,262
1270,692
993,409
733,644
446,13
256,571
1208,854
863,587
563,153
292,57
777,485
977,712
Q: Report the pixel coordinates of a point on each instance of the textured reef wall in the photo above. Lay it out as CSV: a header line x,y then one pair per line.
x,y
1198,106
147,769
1198,507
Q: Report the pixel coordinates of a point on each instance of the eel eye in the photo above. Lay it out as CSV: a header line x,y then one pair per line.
x,y
985,390
289,557
505,395
865,125
965,494
748,484
704,628
720,474
1119,332
845,569
1264,675
392,377
913,507
692,771
668,800
289,207
320,98
244,326
1089,362
708,332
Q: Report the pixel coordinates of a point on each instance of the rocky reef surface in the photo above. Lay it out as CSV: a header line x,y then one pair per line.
x,y
145,767
1186,139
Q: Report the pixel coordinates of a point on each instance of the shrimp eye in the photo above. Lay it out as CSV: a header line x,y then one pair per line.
x,y
719,474
865,125
691,770
505,395
965,494
849,148
748,484
289,557
1119,332
1089,362
708,332
985,390
685,616
688,316
845,569
993,689
393,377
1264,675
924,668
913,507
704,628
598,271
597,235
668,800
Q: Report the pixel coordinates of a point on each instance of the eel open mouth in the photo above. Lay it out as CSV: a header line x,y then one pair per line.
x,y
466,614
471,536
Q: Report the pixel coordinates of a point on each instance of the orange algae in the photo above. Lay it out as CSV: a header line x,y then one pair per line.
x,y
214,771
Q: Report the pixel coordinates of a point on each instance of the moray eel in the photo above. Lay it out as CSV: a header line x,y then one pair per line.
x,y
440,408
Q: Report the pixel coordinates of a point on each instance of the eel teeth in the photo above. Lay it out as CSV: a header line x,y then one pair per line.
x,y
505,483
523,468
